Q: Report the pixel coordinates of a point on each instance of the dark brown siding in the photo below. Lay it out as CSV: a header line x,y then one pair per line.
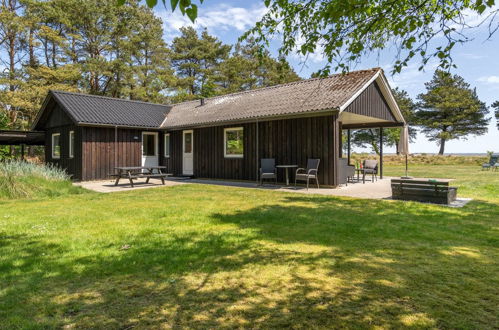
x,y
289,141
59,122
71,165
101,154
371,103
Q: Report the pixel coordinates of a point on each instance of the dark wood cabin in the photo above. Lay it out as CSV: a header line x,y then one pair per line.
x,y
221,137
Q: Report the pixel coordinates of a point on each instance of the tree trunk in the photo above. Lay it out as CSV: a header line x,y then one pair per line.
x,y
442,147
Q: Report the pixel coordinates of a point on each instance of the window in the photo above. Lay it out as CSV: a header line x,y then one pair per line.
x,y
167,145
56,145
149,144
187,142
71,144
233,142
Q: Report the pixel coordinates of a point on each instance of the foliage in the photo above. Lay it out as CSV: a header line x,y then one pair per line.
x,y
344,31
196,61
495,105
186,7
391,136
224,257
450,109
19,179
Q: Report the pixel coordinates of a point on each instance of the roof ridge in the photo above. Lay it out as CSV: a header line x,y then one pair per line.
x,y
375,69
106,97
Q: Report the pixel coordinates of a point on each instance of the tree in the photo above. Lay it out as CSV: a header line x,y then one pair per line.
x,y
344,31
391,136
248,68
450,109
495,105
196,61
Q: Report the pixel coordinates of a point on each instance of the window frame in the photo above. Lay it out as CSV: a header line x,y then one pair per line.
x,y
156,144
54,156
239,128
165,154
71,138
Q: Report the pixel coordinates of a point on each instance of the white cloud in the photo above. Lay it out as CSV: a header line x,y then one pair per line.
x,y
489,80
218,18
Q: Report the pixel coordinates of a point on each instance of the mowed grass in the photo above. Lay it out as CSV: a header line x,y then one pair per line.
x,y
200,256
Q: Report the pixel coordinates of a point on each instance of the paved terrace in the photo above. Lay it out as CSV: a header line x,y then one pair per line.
x,y
370,190
373,190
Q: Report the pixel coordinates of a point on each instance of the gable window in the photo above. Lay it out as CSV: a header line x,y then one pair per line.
x,y
233,142
56,145
167,145
71,144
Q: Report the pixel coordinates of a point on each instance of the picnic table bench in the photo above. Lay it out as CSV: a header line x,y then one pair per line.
x,y
424,190
137,172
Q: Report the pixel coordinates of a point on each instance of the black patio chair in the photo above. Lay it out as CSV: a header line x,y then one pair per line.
x,y
492,164
267,170
311,172
369,166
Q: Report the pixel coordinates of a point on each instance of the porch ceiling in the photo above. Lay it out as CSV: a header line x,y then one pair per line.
x,y
352,120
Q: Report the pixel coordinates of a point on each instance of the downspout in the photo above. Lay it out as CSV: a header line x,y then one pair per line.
x,y
115,146
256,152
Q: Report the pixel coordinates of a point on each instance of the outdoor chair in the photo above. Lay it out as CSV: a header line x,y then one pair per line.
x,y
492,164
267,169
369,166
311,172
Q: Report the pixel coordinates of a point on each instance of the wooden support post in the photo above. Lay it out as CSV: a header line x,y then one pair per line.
x,y
348,146
381,152
22,152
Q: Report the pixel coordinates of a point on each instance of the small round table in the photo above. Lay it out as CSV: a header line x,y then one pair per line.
x,y
286,167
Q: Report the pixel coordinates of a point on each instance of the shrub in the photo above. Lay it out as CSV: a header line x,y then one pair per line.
x,y
20,179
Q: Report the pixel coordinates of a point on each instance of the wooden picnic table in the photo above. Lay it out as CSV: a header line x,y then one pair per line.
x,y
136,172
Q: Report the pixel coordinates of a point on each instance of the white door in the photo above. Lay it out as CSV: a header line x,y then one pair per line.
x,y
188,153
150,149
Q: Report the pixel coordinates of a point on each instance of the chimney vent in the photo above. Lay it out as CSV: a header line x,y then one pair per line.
x,y
202,101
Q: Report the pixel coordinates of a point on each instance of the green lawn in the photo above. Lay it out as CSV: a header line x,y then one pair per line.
x,y
204,256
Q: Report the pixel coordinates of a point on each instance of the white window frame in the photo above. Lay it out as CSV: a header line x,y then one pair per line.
x,y
225,141
167,155
54,156
71,144
156,140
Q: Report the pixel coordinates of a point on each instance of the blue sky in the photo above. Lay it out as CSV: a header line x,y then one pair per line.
x,y
477,62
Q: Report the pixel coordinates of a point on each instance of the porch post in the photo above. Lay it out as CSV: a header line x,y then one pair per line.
x,y
348,145
22,152
381,152
256,153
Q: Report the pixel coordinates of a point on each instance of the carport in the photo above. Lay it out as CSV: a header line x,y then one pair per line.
x,y
22,138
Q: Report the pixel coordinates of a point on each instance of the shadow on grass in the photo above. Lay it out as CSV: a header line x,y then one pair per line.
x,y
303,262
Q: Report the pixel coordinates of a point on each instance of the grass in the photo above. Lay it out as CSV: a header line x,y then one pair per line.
x,y
202,256
27,180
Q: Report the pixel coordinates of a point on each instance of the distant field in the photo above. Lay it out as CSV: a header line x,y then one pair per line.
x,y
426,159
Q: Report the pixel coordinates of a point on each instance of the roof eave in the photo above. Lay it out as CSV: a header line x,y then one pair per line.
x,y
318,113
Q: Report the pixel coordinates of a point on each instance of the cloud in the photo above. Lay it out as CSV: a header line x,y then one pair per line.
x,y
493,80
220,18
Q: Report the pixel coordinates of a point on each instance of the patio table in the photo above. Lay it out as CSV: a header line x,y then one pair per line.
x,y
136,172
287,167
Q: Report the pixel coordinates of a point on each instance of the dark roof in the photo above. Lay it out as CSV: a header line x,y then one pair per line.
x,y
86,109
305,96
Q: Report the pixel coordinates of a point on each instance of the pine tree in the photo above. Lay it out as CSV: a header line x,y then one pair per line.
x,y
196,61
495,105
450,109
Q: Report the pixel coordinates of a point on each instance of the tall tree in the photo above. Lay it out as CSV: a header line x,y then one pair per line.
x,y
196,61
248,68
450,109
495,105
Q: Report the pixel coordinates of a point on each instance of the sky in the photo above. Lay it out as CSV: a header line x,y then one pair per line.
x,y
477,62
